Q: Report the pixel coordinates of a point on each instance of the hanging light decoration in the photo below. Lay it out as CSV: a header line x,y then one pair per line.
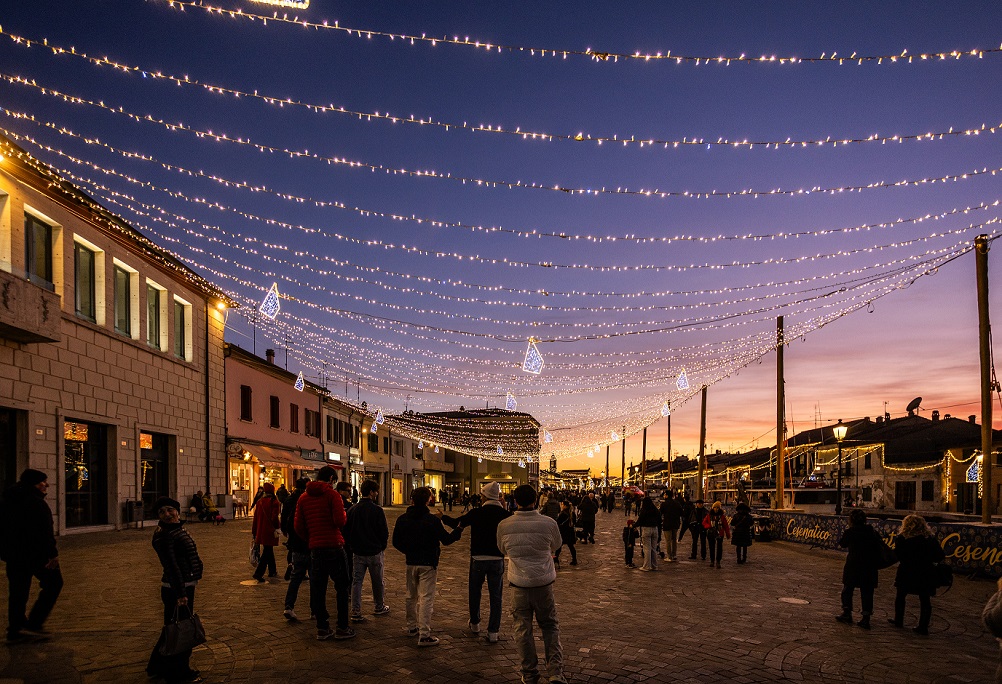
x,y
300,382
270,305
510,402
533,362
682,382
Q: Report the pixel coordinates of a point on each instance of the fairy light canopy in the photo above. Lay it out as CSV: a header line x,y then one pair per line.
x,y
582,257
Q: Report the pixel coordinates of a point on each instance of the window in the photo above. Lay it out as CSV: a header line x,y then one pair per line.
x,y
275,407
866,461
927,490
156,316
386,445
123,301
182,329
38,252
398,447
373,443
293,417
83,283
245,403
867,494
330,428
312,425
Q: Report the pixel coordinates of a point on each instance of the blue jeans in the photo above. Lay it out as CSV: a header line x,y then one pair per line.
x,y
492,571
300,564
374,564
325,565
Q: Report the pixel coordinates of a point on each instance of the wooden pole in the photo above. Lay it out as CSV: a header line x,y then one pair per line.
x,y
606,483
622,481
702,447
780,419
669,446
984,334
643,464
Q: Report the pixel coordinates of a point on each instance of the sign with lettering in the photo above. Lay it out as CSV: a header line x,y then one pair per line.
x,y
969,548
310,455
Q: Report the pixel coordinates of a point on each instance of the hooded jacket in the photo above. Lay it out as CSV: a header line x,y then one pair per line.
x,y
366,530
483,524
320,516
295,543
29,538
266,521
417,534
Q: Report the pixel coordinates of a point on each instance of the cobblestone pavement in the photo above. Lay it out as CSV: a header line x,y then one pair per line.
x,y
686,623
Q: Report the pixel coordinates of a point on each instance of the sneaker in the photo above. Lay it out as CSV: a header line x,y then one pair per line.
x,y
36,632
346,633
643,569
290,615
427,641
844,618
474,627
382,610
260,580
574,562
631,566
558,679
324,634
410,631
892,621
356,617
492,637
924,631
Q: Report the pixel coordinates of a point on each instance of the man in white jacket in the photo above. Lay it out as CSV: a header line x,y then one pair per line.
x,y
529,540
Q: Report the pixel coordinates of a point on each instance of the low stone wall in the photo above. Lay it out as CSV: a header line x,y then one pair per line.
x,y
969,548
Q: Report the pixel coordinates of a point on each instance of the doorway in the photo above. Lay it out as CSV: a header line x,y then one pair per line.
x,y
8,448
85,456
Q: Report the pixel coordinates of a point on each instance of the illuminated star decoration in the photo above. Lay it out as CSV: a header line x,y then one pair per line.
x,y
683,382
374,428
665,409
270,306
533,362
614,436
547,437
510,403
379,416
420,444
974,472
300,382
500,450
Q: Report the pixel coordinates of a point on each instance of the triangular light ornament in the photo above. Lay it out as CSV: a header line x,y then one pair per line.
x,y
533,362
379,417
374,428
420,444
270,306
665,410
614,436
547,437
500,450
436,448
300,382
682,383
591,454
510,403
521,464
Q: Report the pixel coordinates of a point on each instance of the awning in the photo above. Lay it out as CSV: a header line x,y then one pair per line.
x,y
278,458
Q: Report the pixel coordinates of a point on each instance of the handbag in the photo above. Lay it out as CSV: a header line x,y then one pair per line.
x,y
943,574
254,557
181,635
886,557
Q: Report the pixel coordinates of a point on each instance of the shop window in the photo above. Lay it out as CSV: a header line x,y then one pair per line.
x,y
126,300
293,417
275,408
927,490
155,470
85,456
373,443
246,413
156,316
182,329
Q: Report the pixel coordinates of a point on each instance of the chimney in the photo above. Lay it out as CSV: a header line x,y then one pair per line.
x,y
269,354
935,416
947,415
972,419
880,419
887,416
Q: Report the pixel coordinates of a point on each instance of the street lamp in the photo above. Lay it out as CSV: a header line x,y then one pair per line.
x,y
839,432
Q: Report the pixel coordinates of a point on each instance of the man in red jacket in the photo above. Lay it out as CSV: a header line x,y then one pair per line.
x,y
319,518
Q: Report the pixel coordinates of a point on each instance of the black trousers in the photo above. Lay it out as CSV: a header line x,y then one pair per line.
x,y
325,565
925,608
19,587
588,526
698,535
629,555
175,667
266,562
574,552
716,549
742,552
865,596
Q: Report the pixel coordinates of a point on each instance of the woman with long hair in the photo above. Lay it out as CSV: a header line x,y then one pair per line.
x,y
918,552
267,526
565,521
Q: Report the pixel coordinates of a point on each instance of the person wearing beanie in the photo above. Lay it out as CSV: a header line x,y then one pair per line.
x,y
486,561
717,528
29,550
265,530
182,569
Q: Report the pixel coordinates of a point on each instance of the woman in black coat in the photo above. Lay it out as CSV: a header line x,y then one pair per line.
x,y
565,521
182,570
860,569
918,552
741,531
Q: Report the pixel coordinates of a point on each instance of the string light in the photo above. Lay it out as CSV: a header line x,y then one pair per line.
x,y
518,131
595,55
642,192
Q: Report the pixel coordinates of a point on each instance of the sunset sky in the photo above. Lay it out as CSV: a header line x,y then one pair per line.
x,y
418,259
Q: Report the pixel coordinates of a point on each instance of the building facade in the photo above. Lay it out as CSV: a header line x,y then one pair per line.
x,y
111,373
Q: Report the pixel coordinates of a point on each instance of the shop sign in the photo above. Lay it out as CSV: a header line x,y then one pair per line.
x,y
311,455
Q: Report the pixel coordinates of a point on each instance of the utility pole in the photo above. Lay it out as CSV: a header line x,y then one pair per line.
x,y
669,446
984,335
702,447
780,419
606,483
622,472
643,464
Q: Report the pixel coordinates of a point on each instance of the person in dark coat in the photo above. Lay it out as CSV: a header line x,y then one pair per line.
x,y
299,550
366,534
182,569
266,530
860,569
991,617
29,549
717,528
693,522
282,494
918,552
630,536
568,536
587,510
671,519
741,531
649,525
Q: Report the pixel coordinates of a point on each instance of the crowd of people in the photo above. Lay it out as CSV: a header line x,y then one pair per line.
x,y
330,539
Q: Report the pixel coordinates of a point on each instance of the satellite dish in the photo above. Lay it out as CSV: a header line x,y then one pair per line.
x,y
912,405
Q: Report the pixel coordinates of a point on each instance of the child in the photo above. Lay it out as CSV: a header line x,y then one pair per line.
x,y
630,535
